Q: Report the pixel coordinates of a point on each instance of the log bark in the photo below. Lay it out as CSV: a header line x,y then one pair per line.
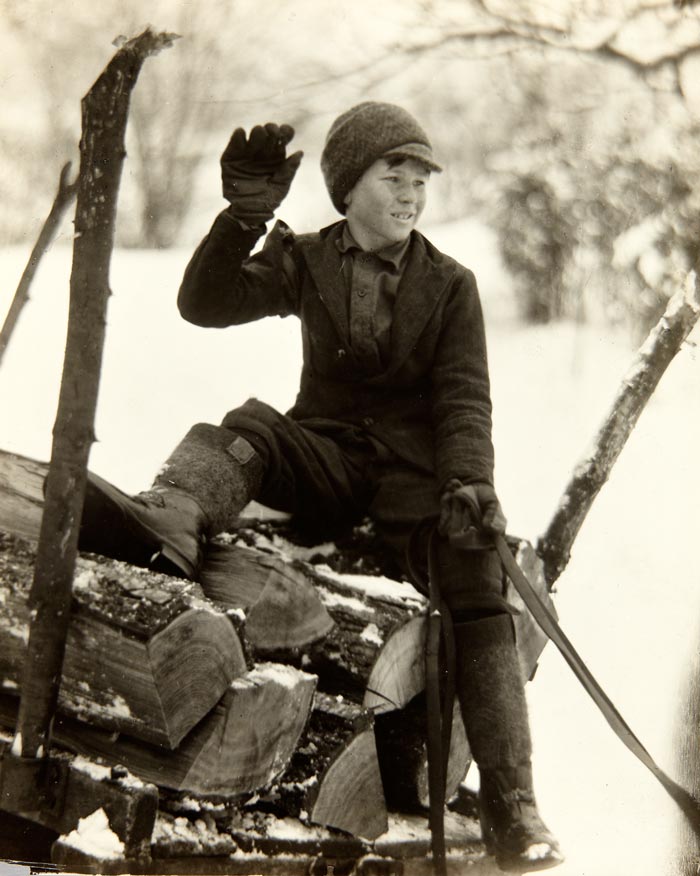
x,y
592,472
333,779
244,743
283,611
64,197
374,653
105,111
145,654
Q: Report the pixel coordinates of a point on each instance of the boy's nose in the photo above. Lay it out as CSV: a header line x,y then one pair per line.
x,y
407,195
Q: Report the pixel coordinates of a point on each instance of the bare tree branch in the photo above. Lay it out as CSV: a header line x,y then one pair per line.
x,y
516,33
105,111
64,197
591,474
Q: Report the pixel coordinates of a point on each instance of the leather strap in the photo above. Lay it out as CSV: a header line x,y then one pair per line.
x,y
440,705
439,666
549,625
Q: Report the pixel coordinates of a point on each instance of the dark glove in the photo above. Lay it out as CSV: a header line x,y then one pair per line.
x,y
470,506
255,172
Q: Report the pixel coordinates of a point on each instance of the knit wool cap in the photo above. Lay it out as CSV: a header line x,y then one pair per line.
x,y
365,133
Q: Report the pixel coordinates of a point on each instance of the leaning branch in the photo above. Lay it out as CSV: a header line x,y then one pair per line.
x,y
104,115
654,356
64,197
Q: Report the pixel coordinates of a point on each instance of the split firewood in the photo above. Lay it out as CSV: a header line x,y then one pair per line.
x,y
283,610
374,654
146,654
403,755
244,743
528,636
333,779
369,630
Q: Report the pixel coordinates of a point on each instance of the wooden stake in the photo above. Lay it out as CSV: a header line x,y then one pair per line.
x,y
64,197
104,112
652,359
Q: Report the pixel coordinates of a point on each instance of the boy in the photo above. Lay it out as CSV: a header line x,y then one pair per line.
x,y
392,419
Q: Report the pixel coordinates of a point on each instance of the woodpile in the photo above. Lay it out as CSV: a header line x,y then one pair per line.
x,y
273,682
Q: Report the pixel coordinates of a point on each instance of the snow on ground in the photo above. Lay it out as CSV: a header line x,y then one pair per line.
x,y
629,598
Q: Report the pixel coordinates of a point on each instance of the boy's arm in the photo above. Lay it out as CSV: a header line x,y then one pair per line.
x,y
222,285
461,398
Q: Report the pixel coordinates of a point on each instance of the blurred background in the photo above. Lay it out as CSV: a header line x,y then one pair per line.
x,y
568,130
568,126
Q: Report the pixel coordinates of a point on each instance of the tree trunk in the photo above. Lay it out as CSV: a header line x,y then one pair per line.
x,y
105,111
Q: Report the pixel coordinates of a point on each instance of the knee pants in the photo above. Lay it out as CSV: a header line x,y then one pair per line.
x,y
329,475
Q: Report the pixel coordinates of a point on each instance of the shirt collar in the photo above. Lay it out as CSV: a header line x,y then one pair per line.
x,y
394,254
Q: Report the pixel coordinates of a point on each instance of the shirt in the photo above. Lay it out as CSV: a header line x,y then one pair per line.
x,y
372,281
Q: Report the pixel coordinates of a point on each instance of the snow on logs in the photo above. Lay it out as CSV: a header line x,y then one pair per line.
x,y
145,654
175,680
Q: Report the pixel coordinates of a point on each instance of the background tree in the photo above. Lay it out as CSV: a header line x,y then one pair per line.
x,y
569,127
586,174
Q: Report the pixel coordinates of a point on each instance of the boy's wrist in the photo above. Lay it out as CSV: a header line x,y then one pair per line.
x,y
246,225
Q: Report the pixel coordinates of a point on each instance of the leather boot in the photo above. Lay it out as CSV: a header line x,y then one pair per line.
x,y
492,697
205,483
511,826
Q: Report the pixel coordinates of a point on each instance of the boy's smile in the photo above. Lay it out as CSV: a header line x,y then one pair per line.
x,y
387,201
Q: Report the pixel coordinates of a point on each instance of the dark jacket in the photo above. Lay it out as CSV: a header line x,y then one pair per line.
x,y
431,404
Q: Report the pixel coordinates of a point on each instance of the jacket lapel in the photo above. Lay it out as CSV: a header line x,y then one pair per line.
x,y
424,280
326,268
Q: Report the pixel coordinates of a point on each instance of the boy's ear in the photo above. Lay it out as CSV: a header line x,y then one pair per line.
x,y
348,198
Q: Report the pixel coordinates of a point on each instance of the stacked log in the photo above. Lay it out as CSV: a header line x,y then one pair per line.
x,y
228,753
270,682
145,655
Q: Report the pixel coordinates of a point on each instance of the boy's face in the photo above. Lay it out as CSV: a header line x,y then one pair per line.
x,y
386,202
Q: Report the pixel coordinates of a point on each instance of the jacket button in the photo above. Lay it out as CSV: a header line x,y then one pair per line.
x,y
340,353
368,421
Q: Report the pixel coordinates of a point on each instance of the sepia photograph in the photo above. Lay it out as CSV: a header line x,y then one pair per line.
x,y
349,429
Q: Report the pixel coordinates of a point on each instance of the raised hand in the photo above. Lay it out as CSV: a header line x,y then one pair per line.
x,y
256,173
